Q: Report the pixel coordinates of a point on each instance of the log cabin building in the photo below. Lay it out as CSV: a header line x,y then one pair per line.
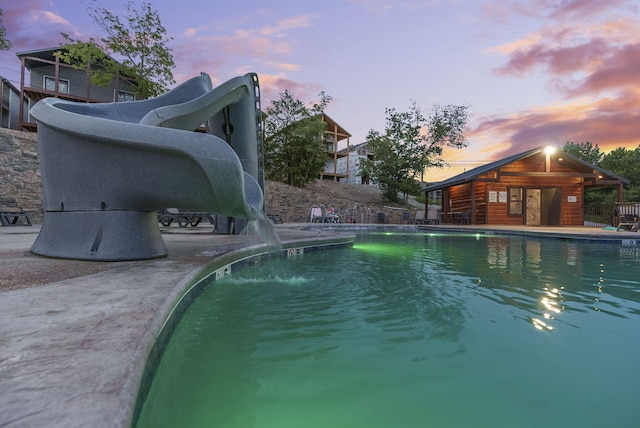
x,y
540,187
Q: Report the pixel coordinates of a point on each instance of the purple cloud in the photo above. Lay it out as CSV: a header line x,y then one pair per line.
x,y
585,53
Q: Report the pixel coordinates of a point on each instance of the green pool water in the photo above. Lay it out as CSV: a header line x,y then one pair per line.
x,y
412,330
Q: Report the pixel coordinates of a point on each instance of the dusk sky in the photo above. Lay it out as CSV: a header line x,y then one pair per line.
x,y
534,72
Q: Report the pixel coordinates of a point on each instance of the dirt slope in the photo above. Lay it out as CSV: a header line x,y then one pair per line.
x,y
294,205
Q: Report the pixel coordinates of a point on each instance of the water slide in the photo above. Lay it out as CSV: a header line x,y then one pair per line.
x,y
107,168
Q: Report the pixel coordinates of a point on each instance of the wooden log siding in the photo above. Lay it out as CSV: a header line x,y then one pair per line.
x,y
571,212
461,200
534,173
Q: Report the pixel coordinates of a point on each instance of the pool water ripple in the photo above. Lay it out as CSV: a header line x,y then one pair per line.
x,y
412,331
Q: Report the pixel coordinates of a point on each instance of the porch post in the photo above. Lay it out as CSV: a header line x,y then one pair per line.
x,y
472,217
426,202
445,205
620,192
22,107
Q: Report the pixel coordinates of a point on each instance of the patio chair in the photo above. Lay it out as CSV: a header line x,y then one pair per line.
x,y
433,216
382,218
419,218
317,215
406,216
628,222
332,216
15,218
275,218
465,217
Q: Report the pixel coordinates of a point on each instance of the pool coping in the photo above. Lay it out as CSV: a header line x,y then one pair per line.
x,y
593,234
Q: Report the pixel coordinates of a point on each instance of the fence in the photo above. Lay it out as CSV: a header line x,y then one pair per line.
x,y
598,215
610,214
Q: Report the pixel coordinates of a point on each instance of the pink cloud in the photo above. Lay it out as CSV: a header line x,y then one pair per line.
x,y
555,50
261,42
582,57
29,27
562,10
226,52
47,16
608,122
247,49
496,12
585,53
572,10
621,69
271,86
283,25
283,66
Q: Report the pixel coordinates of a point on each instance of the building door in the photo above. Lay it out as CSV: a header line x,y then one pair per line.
x,y
532,207
543,207
551,206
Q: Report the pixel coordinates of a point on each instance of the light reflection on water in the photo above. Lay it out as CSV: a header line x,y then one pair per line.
x,y
412,330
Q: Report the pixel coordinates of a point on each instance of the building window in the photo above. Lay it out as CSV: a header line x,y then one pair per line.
x,y
125,96
515,200
50,84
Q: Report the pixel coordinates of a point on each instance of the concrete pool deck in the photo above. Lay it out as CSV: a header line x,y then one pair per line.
x,y
75,336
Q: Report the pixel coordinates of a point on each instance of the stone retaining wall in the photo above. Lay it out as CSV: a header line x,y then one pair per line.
x,y
20,184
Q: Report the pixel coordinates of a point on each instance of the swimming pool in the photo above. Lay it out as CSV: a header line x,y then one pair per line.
x,y
412,330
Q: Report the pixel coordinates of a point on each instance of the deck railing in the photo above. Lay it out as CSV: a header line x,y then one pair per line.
x,y
610,214
598,215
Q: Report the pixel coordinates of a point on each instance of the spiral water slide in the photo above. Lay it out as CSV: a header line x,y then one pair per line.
x,y
107,168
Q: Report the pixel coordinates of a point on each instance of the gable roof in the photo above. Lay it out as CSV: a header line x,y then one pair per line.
x,y
334,127
474,173
47,54
7,82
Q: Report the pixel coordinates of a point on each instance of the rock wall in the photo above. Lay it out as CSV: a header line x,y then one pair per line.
x,y
294,204
20,184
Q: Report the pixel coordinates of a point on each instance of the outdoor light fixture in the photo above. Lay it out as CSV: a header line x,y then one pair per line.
x,y
548,151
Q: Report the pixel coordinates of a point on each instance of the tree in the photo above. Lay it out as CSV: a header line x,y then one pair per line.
x,y
625,163
585,151
140,44
294,148
5,44
411,143
621,161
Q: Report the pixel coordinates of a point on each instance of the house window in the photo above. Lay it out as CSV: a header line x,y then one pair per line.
x,y
50,84
515,200
125,96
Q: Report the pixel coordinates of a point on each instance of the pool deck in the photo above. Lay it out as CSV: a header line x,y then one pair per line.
x,y
75,336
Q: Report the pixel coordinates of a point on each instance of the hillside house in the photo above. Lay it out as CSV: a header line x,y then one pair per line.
x,y
43,74
11,106
349,165
333,135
